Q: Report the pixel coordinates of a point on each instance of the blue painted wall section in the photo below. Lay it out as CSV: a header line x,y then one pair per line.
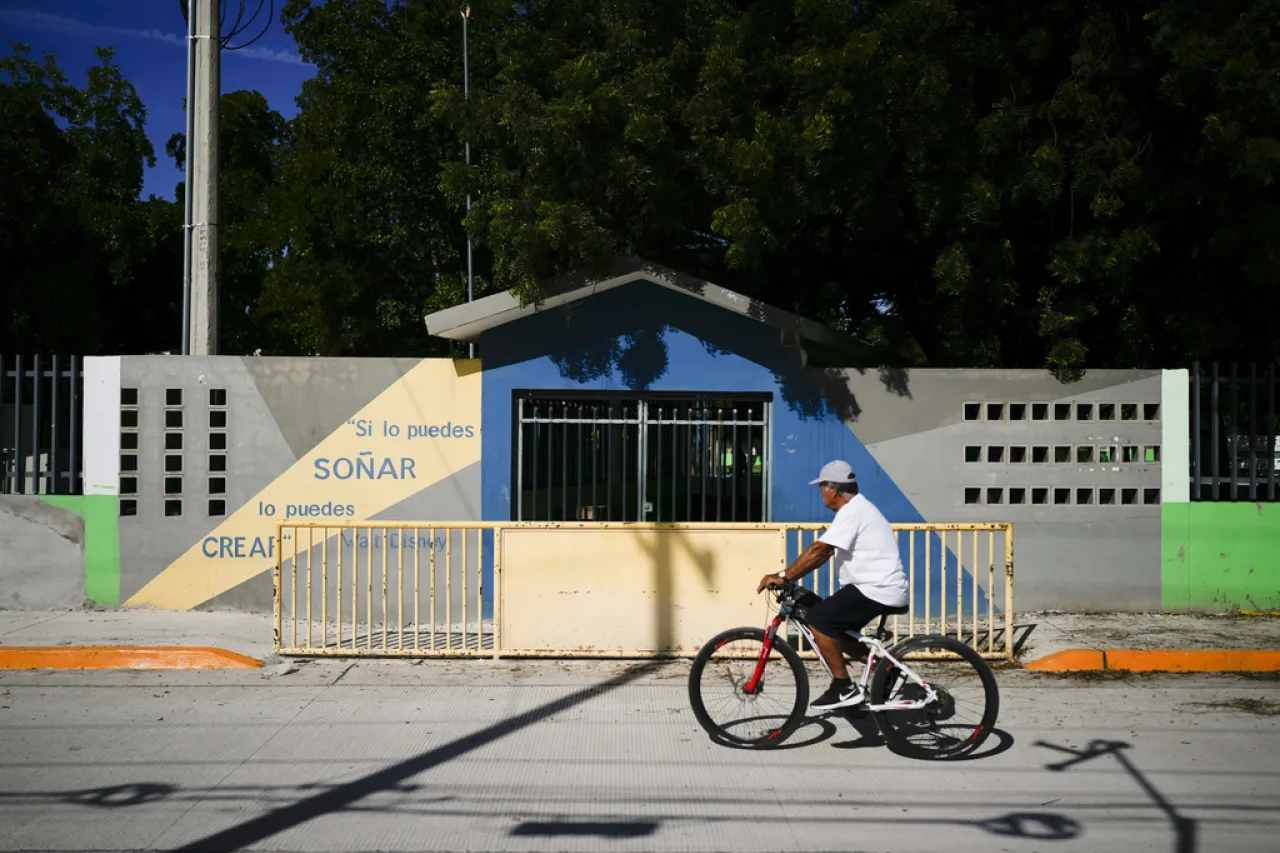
x,y
642,337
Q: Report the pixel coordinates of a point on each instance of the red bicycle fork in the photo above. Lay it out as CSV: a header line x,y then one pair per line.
x,y
757,677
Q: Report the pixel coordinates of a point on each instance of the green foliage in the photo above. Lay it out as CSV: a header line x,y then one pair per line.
x,y
1063,184
368,244
83,254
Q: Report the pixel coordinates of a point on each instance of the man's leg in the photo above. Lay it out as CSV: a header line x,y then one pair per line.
x,y
829,619
829,648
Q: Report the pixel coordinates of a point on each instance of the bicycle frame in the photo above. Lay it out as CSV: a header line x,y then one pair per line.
x,y
876,650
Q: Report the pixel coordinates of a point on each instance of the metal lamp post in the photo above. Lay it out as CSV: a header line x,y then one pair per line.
x,y
466,97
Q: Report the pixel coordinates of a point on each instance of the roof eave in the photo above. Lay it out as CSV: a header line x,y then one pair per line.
x,y
468,321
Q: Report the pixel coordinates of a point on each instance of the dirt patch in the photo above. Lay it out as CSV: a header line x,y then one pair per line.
x,y
1094,675
1259,707
1258,676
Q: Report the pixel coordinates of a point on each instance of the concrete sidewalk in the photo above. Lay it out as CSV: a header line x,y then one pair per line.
x,y
1038,635
442,757
1049,632
1149,641
242,633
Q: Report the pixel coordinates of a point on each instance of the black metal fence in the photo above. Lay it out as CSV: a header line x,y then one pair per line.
x,y
41,417
1235,455
658,458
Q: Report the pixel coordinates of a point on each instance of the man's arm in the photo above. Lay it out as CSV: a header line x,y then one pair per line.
x,y
812,557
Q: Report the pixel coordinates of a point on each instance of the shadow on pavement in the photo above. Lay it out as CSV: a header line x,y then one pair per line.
x,y
825,730
603,829
1184,828
343,796
870,736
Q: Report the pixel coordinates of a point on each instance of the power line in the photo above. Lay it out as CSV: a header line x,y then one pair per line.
x,y
240,24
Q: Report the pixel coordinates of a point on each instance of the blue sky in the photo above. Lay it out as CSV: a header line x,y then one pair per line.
x,y
148,36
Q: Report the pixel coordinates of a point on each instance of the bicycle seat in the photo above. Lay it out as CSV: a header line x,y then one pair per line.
x,y
881,633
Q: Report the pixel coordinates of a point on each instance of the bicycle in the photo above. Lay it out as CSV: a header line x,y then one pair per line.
x,y
903,702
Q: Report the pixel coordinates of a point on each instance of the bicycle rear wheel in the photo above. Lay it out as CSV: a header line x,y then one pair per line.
x,y
964,714
717,681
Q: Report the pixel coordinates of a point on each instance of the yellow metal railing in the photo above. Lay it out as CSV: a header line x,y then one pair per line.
x,y
937,558
410,589
383,588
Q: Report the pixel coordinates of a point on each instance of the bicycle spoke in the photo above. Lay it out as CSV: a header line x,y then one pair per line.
x,y
732,713
960,716
739,714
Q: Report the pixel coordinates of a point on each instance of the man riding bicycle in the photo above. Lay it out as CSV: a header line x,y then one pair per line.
x,y
872,579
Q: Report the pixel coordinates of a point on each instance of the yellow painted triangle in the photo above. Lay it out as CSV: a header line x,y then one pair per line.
x,y
359,470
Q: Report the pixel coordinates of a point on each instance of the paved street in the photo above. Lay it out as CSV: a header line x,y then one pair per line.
x,y
589,756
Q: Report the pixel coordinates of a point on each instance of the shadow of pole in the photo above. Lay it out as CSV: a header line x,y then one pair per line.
x,y
343,796
660,555
1184,828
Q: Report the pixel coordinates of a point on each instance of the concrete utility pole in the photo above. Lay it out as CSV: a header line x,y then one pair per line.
x,y
202,180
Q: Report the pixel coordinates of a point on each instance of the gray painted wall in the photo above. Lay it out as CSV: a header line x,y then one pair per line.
x,y
1073,556
41,556
256,453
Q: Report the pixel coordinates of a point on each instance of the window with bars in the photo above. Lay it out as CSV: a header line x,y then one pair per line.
x,y
655,458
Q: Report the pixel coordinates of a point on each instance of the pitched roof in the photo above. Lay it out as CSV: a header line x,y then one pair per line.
x,y
467,321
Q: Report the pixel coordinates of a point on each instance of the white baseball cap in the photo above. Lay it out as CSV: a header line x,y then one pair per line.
x,y
836,471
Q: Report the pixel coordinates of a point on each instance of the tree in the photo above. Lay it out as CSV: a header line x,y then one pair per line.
x,y
370,244
1064,184
81,250
972,185
581,146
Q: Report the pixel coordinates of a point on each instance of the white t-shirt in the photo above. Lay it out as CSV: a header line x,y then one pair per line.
x,y
867,552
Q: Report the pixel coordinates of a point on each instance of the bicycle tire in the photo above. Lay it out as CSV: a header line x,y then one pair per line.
x,y
892,723
793,719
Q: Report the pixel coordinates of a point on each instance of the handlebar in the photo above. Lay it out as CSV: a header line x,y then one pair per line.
x,y
783,587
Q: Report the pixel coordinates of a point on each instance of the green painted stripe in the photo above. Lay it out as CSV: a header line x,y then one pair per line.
x,y
102,549
101,514
1219,556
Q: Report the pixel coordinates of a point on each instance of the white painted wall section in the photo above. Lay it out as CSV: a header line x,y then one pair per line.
x,y
1175,436
101,425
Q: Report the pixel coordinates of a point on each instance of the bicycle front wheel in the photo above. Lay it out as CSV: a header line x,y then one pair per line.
x,y
964,713
761,718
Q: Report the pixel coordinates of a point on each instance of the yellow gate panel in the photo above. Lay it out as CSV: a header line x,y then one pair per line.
x,y
631,589
408,589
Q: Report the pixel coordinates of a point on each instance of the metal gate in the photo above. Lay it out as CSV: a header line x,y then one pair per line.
x,y
40,425
1235,433
654,458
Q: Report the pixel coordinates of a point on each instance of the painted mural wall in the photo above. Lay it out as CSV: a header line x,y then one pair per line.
x,y
1075,466
213,453
191,463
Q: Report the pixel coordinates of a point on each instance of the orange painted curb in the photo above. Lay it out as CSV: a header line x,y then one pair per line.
x,y
1160,660
123,657
1194,660
1069,661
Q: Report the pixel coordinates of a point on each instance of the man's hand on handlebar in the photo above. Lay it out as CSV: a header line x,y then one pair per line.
x,y
769,581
